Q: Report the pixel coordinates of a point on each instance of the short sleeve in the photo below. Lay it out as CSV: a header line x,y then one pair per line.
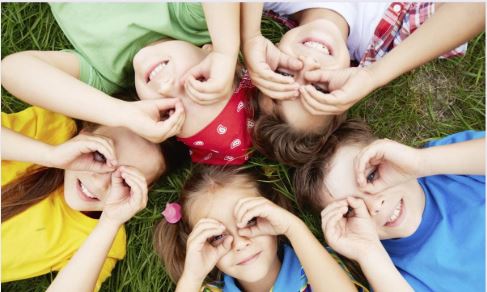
x,y
457,138
89,75
39,124
105,272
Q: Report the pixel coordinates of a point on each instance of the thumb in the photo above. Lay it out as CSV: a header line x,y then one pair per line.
x,y
318,75
164,104
358,207
225,247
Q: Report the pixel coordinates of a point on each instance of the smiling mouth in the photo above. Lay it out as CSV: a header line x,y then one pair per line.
x,y
85,194
249,259
154,70
317,45
396,214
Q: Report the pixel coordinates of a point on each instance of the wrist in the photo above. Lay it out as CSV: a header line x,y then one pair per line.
x,y
48,158
109,223
374,254
187,280
295,226
118,118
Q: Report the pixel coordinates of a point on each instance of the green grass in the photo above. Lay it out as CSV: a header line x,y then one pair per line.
x,y
437,99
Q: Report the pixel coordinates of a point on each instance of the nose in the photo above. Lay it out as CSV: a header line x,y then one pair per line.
x,y
374,203
165,87
240,242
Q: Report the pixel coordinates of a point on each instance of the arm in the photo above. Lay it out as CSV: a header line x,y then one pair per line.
x,y
356,238
262,57
274,220
315,259
386,163
83,152
212,79
50,80
450,26
224,26
128,195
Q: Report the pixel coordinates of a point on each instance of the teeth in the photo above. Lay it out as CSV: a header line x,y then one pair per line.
x,y
86,192
317,46
156,70
396,213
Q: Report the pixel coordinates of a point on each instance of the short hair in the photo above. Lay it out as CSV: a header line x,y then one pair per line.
x,y
276,139
308,179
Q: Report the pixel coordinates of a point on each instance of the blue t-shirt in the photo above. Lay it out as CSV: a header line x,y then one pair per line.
x,y
291,276
447,252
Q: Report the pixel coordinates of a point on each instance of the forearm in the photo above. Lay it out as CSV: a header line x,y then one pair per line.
x,y
82,271
450,26
458,158
38,78
18,147
322,271
223,21
251,15
381,273
186,284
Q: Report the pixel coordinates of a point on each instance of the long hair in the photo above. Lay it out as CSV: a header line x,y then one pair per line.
x,y
29,189
170,239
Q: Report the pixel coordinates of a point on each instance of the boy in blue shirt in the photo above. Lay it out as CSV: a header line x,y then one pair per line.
x,y
404,214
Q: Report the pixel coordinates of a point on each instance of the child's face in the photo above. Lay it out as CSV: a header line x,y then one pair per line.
x,y
396,211
250,259
87,191
159,67
321,45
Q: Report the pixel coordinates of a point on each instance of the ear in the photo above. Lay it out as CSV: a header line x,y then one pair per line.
x,y
207,47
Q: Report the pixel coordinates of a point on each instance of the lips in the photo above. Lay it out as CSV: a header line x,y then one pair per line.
x,y
249,259
84,193
154,70
396,216
318,44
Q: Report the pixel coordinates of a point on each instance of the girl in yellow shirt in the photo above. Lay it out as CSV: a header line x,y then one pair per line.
x,y
51,217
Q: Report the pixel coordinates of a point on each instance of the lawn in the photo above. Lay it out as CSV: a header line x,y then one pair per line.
x,y
437,99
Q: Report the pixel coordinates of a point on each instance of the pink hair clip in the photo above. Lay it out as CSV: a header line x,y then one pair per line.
x,y
172,213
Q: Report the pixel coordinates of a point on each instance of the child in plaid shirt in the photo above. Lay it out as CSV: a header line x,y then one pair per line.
x,y
306,83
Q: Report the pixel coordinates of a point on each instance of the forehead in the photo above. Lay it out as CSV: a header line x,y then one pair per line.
x,y
340,180
219,204
133,150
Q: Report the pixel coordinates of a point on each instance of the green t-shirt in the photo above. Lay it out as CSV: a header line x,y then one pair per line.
x,y
106,36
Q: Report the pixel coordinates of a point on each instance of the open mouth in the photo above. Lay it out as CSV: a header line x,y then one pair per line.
x,y
396,216
154,70
85,194
249,259
318,45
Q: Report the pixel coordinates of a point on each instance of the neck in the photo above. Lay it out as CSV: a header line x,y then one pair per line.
x,y
312,14
266,283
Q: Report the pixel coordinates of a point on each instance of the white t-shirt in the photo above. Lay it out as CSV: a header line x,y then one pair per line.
x,y
362,19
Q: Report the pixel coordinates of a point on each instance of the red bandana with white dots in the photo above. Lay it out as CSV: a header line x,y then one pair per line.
x,y
226,140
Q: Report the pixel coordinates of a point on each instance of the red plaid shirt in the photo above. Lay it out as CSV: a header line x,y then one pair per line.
x,y
399,21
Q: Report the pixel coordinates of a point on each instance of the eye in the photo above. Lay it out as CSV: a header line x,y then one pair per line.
x,y
349,213
372,176
98,157
320,88
284,73
216,240
252,222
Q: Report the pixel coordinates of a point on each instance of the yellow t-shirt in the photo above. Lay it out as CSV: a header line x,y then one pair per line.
x,y
45,237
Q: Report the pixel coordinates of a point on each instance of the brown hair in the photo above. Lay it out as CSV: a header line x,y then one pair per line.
x,y
170,239
39,182
276,139
308,178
